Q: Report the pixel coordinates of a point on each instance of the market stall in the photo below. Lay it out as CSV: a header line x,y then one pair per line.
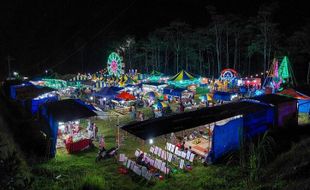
x,y
65,126
303,100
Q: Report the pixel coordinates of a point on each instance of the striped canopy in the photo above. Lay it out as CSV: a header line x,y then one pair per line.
x,y
182,75
156,73
160,105
151,95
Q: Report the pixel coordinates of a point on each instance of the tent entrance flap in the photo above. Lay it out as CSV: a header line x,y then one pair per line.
x,y
227,137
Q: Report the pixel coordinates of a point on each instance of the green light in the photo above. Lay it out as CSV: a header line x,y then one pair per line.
x,y
283,69
115,65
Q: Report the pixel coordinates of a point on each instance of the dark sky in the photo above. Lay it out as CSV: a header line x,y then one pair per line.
x,y
42,34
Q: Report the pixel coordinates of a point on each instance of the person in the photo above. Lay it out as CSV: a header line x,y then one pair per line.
x,y
140,158
185,138
90,131
101,142
183,146
191,137
182,107
141,116
66,131
95,129
133,112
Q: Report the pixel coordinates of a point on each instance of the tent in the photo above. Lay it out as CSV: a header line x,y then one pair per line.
x,y
182,75
106,92
246,119
160,105
126,96
156,73
285,108
31,96
224,96
27,90
174,91
151,94
303,100
64,111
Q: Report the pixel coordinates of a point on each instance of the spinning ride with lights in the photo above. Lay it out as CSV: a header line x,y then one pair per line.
x,y
228,74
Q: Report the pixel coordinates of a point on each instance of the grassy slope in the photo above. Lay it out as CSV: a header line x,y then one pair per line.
x,y
290,170
78,169
8,146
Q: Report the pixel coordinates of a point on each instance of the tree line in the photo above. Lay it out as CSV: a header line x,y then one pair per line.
x,y
228,41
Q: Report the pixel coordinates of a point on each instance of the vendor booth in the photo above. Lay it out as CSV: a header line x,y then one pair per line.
x,y
153,87
31,96
213,131
224,96
285,109
303,100
106,92
183,79
63,118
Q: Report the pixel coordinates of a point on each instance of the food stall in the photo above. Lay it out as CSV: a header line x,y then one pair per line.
x,y
65,127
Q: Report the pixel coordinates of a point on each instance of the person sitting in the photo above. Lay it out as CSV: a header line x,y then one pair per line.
x,y
179,145
183,146
190,137
147,163
140,158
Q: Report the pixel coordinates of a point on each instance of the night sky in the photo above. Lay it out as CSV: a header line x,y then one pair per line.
x,y
58,35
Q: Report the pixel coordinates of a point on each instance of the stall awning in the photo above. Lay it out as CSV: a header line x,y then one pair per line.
x,y
28,91
164,125
293,93
68,110
106,92
126,96
273,99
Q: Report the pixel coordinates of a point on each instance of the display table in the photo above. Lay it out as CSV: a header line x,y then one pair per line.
x,y
78,146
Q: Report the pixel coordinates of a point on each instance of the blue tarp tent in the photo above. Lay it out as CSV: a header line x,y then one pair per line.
x,y
64,111
29,96
258,121
174,91
106,92
13,88
304,106
226,138
303,100
224,96
34,104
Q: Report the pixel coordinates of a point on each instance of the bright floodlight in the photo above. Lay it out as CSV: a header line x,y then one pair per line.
x,y
151,141
15,73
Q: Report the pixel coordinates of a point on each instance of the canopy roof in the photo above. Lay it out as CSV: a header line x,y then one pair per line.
x,y
126,96
273,99
182,75
107,92
30,91
69,110
156,73
173,123
293,93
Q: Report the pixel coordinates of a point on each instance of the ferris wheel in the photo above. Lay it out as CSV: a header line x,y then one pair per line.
x,y
115,65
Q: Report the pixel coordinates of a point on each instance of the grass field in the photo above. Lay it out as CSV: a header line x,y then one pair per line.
x,y
73,171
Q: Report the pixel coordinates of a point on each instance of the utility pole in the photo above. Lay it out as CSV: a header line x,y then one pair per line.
x,y
308,74
9,59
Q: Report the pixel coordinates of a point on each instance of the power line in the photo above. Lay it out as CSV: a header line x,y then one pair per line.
x,y
95,36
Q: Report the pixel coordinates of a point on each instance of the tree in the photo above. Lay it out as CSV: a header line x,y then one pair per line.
x,y
265,26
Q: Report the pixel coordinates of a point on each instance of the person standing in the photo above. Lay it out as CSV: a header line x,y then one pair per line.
x,y
101,142
95,130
